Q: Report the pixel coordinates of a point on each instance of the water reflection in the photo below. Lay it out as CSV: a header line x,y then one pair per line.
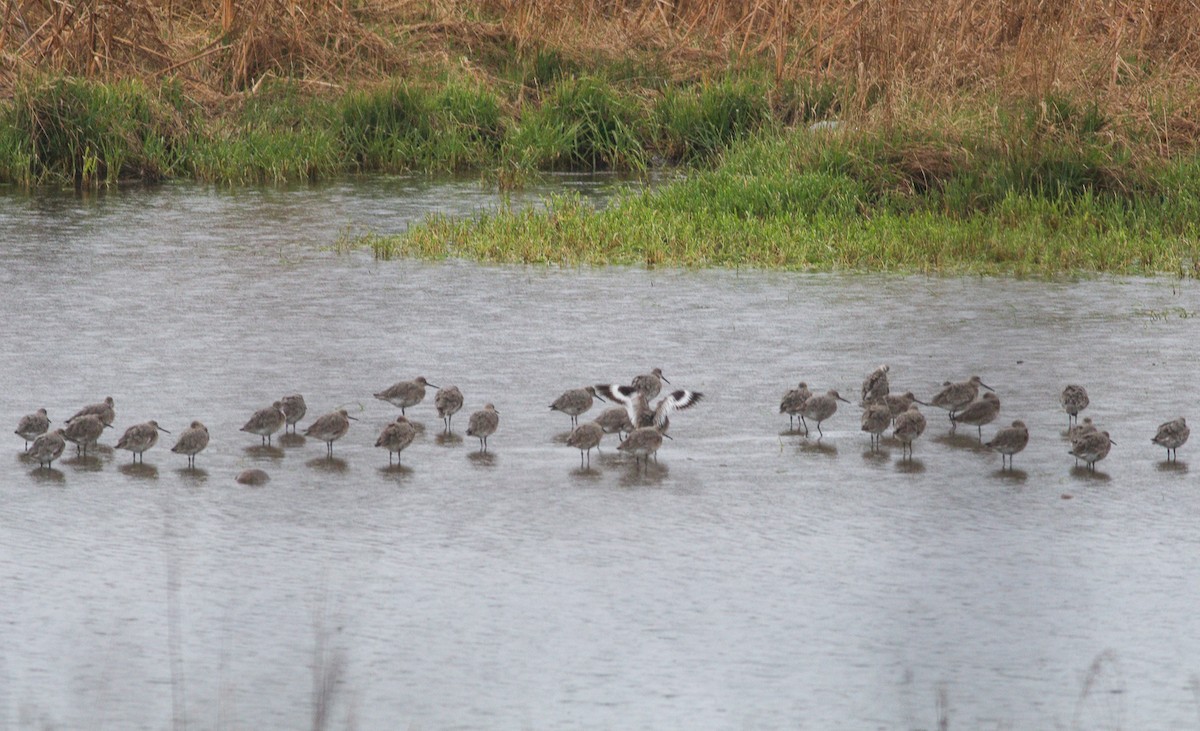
x,y
264,451
448,439
956,440
396,471
647,473
1011,475
1172,466
1081,472
139,470
586,474
332,465
482,459
193,476
292,440
823,448
48,476
84,464
910,466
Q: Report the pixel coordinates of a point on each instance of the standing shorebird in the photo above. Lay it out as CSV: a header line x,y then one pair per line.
x,y
575,402
898,403
483,424
106,411
792,404
266,422
1172,435
32,426
615,420
1092,447
1074,399
876,418
1009,440
294,409
405,393
585,437
820,407
330,428
448,401
48,447
909,426
140,437
875,387
644,442
396,436
83,431
191,442
642,413
954,396
1079,431
650,383
978,413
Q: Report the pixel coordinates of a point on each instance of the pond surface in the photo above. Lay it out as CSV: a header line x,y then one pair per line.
x,y
752,578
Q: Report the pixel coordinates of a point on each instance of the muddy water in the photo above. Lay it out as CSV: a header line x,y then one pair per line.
x,y
751,579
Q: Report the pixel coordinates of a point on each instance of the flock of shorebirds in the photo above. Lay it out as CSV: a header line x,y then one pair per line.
x,y
640,421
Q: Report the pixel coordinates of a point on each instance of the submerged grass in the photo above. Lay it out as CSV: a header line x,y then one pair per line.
x,y
805,201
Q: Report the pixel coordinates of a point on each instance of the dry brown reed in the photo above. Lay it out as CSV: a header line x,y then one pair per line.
x,y
1139,59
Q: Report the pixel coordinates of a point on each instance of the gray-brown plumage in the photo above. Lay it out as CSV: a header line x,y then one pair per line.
x,y
898,403
875,387
821,406
909,426
978,413
1172,435
266,422
1084,427
1009,440
294,409
253,476
330,428
405,393
1092,447
643,442
32,426
83,431
792,404
48,447
483,424
575,402
585,437
876,418
140,437
448,401
955,396
649,383
615,420
396,436
1074,399
191,442
105,410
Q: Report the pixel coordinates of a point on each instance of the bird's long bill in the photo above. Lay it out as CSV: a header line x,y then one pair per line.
x,y
108,426
981,383
919,401
668,436
1110,441
664,379
164,431
354,418
601,398
839,398
432,385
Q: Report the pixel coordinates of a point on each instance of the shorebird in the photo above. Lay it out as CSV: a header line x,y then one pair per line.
x,y
1009,440
330,428
294,409
650,383
898,403
1172,435
978,413
140,437
642,413
1092,447
396,436
875,387
876,418
483,424
909,426
615,420
1079,431
792,404
105,410
191,442
820,407
32,426
954,396
575,402
266,422
1074,399
48,447
448,401
585,437
83,431
644,441
405,393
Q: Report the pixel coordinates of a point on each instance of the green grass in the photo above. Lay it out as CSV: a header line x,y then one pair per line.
x,y
843,202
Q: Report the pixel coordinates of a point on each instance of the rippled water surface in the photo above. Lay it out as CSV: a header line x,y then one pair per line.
x,y
752,578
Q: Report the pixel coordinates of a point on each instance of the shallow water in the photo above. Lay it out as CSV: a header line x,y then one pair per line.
x,y
752,578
